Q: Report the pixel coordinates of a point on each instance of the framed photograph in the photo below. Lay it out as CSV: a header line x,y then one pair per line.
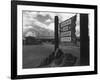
x,y
52,39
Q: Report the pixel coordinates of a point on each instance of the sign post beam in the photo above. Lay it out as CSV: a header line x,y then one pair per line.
x,y
56,33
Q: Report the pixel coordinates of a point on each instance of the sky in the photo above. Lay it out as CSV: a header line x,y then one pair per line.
x,y
46,20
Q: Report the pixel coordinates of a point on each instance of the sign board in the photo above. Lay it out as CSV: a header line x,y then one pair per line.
x,y
67,29
66,22
64,34
66,39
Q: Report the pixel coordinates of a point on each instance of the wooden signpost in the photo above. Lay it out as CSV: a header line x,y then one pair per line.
x,y
64,32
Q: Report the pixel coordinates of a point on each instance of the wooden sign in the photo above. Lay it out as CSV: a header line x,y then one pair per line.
x,y
67,29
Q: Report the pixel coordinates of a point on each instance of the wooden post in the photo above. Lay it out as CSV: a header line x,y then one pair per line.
x,y
58,54
56,33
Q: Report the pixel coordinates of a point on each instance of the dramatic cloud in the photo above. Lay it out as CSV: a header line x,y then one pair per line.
x,y
43,13
51,26
48,21
45,20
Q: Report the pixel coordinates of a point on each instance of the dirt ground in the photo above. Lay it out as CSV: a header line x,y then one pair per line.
x,y
34,54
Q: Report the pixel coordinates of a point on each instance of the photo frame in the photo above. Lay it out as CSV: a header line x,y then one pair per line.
x,y
53,39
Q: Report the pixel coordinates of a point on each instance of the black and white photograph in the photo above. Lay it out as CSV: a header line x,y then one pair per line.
x,y
39,39
51,40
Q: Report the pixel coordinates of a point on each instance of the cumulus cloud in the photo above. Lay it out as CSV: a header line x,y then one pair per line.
x,y
30,20
27,18
51,26
48,21
30,13
43,13
52,15
38,23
